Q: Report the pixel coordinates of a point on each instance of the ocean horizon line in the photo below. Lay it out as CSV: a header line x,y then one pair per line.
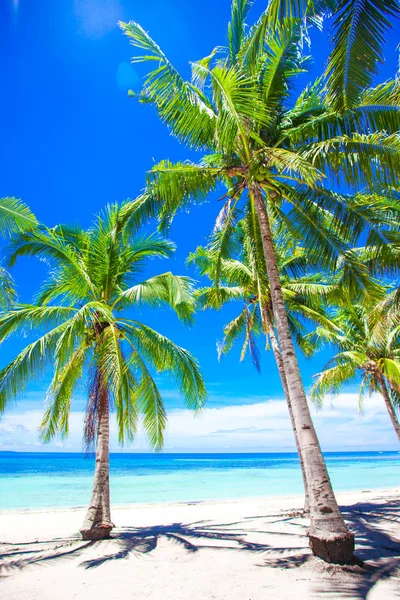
x,y
194,453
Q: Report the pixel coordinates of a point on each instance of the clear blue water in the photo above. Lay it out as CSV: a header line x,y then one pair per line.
x,y
41,480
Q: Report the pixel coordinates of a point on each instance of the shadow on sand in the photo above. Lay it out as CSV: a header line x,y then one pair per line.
x,y
377,551
278,541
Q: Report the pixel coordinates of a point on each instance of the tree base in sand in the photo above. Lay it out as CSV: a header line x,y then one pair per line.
x,y
337,549
100,531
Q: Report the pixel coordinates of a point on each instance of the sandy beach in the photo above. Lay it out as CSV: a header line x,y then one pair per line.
x,y
235,550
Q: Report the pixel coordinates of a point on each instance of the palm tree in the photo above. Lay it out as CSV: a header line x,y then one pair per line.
x,y
15,217
283,157
94,281
243,277
368,346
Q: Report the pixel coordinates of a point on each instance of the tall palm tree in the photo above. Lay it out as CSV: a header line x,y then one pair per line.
x,y
283,156
15,217
83,308
308,293
368,347
242,277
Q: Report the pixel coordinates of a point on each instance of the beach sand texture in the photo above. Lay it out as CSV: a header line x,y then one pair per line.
x,y
233,550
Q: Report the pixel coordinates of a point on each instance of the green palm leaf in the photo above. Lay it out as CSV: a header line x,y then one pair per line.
x,y
358,39
236,27
167,356
195,124
56,417
15,217
175,291
28,364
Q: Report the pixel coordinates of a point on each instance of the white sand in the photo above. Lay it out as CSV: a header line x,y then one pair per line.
x,y
236,550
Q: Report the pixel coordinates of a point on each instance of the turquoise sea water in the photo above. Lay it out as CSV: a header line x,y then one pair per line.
x,y
41,480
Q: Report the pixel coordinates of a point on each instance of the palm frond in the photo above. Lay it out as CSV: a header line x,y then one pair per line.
x,y
281,61
358,39
176,185
250,343
53,248
390,367
289,163
15,217
217,295
56,417
237,101
233,331
173,290
281,10
182,106
29,363
236,27
330,381
169,357
23,317
8,293
359,160
148,399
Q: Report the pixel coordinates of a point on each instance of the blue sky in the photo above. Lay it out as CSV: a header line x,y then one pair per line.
x,y
72,141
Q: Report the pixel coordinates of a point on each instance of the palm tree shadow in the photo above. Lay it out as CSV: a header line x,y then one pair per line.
x,y
378,551
378,554
191,537
40,553
126,541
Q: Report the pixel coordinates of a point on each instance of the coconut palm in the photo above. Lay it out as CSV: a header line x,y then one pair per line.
x,y
307,292
83,309
283,156
367,347
243,278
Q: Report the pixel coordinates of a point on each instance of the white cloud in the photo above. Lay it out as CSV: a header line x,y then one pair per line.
x,y
263,426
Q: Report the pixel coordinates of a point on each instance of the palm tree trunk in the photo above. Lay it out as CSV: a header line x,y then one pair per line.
x,y
268,327
97,524
329,537
388,403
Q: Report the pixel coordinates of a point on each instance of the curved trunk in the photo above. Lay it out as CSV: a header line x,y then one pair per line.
x,y
388,403
267,321
97,524
329,537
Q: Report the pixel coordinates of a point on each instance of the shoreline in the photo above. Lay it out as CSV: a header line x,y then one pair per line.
x,y
294,498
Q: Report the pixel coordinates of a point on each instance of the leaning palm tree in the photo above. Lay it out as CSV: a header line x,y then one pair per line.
x,y
242,278
88,335
368,347
283,156
15,217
